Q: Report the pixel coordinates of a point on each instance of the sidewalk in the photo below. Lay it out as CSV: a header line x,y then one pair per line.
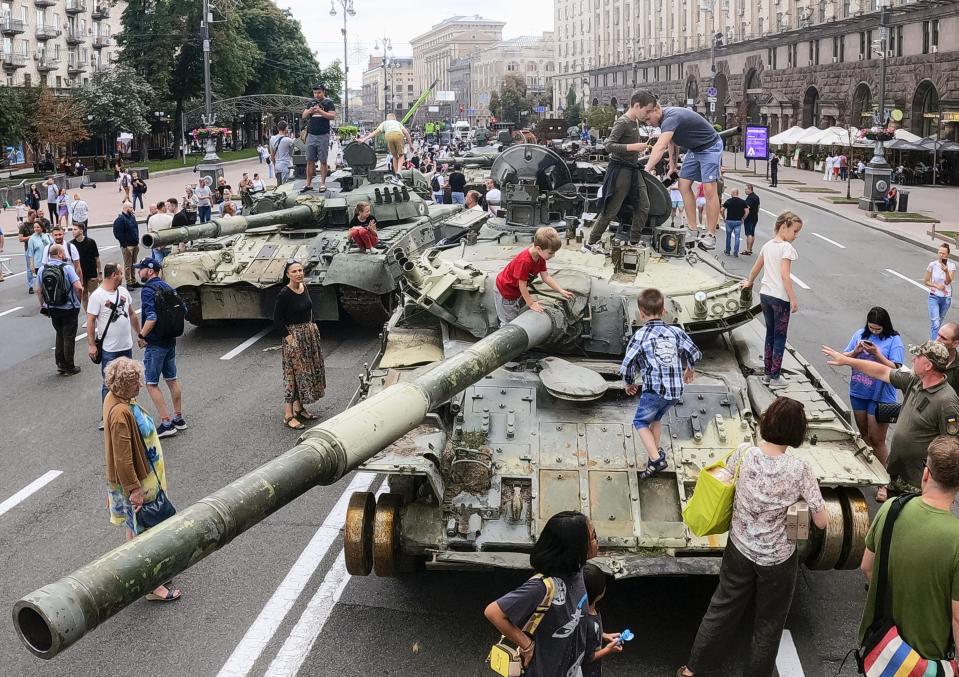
x,y
939,202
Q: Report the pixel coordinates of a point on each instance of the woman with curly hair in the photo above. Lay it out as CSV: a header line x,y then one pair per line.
x,y
134,461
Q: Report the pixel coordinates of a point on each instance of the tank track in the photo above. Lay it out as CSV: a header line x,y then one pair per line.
x,y
365,308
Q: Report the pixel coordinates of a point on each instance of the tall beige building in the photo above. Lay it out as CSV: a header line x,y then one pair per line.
x,y
60,43
528,57
573,48
392,88
453,38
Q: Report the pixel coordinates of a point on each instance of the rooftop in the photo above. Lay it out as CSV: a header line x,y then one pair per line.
x,y
459,19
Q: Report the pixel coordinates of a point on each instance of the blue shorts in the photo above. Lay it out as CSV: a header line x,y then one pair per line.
x,y
703,165
159,361
860,404
677,204
652,407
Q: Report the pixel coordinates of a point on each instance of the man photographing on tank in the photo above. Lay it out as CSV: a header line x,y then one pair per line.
x,y
704,155
318,117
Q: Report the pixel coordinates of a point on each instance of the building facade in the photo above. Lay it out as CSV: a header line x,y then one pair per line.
x,y
453,38
57,43
389,88
801,64
573,49
461,71
531,58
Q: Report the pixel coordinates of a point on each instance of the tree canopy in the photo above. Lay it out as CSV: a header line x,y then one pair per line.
x,y
117,100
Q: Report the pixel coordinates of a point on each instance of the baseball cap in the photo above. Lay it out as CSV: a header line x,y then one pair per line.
x,y
319,85
935,352
152,264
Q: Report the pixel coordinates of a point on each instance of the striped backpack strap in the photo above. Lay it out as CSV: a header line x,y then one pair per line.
x,y
542,607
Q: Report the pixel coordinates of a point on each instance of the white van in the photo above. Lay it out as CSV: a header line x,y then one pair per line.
x,y
461,129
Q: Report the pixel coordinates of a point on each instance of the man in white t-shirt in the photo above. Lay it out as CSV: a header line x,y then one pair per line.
x,y
493,196
118,341
70,249
161,220
81,212
204,199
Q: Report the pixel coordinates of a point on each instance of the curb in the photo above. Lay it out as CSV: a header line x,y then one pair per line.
x,y
931,246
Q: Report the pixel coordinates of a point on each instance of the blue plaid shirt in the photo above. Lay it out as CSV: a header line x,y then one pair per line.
x,y
659,352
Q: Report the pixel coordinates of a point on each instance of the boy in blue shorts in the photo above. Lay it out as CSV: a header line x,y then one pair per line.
x,y
683,127
663,357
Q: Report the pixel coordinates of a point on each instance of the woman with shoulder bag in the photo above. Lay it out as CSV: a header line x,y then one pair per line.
x,y
136,474
760,563
873,401
303,371
556,646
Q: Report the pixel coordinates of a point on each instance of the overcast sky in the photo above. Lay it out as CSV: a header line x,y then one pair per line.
x,y
402,20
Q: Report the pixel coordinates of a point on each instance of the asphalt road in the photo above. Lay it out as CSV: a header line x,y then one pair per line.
x,y
275,601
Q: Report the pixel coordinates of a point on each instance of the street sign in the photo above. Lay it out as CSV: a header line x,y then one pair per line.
x,y
757,142
433,109
712,106
712,91
690,102
711,99
471,111
950,116
445,96
540,109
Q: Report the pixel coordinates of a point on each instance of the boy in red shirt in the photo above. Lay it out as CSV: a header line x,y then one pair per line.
x,y
512,283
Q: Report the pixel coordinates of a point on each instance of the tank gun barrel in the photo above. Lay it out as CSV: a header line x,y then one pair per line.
x,y
231,225
52,618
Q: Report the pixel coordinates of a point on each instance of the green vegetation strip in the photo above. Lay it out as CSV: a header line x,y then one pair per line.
x,y
814,189
162,165
896,217
842,200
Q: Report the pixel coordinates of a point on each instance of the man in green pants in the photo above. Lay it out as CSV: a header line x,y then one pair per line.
x,y
624,182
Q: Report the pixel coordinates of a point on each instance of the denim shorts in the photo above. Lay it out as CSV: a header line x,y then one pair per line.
x,y
703,165
652,407
159,361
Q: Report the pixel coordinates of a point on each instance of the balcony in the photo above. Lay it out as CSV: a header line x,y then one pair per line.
x,y
74,36
45,64
13,60
101,41
76,6
11,26
101,67
75,66
100,12
44,3
47,32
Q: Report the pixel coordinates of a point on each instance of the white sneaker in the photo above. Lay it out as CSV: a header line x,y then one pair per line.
x,y
776,383
766,379
593,249
707,241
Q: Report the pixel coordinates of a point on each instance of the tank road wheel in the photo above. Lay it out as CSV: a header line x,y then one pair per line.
x,y
826,553
368,309
856,518
386,535
358,534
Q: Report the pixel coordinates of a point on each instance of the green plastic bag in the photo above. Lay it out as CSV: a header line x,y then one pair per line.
x,y
710,510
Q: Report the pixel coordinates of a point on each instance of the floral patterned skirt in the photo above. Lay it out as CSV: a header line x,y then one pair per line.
x,y
303,372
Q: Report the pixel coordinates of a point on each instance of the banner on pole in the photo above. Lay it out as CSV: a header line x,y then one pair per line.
x,y
757,142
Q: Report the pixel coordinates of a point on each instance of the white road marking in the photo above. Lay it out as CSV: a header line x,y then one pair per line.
x,y
798,281
300,642
22,272
787,660
260,633
823,237
766,211
12,310
910,281
113,246
29,490
246,344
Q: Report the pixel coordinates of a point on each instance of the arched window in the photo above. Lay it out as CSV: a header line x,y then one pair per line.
x,y
862,106
925,100
810,108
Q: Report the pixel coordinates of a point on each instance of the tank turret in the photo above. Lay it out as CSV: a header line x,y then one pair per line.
x,y
52,618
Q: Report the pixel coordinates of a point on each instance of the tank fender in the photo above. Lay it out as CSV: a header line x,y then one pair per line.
x,y
363,271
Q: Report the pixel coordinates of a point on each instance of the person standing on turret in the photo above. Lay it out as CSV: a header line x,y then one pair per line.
x,y
318,117
624,182
704,156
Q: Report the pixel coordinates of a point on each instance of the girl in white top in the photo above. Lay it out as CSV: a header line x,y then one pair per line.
x,y
939,276
776,295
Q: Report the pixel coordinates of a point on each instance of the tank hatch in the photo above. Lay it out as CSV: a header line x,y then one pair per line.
x,y
359,157
567,381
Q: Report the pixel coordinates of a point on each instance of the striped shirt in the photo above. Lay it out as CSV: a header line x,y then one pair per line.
x,y
659,353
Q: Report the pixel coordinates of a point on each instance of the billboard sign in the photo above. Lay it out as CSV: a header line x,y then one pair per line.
x,y
433,109
757,142
445,96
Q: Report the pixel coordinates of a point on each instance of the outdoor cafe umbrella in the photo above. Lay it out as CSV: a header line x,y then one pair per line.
x,y
787,137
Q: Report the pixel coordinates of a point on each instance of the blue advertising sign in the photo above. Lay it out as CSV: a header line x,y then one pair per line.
x,y
540,109
471,111
757,142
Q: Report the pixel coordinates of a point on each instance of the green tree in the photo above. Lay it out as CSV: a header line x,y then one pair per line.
x,y
56,122
573,114
570,98
286,63
601,117
510,100
14,121
118,100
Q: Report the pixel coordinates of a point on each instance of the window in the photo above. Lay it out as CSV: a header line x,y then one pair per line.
x,y
835,48
863,47
935,33
669,72
816,53
925,37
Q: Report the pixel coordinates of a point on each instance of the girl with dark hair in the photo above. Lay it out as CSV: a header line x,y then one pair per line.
x,y
760,563
879,342
363,232
564,545
303,372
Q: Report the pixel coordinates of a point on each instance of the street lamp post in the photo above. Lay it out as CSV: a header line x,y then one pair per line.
x,y
387,50
878,175
348,10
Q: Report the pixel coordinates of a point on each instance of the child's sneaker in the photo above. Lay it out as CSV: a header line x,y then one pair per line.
x,y
654,467
166,429
777,383
594,249
178,422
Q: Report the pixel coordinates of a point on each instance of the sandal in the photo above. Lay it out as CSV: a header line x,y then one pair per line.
x,y
289,420
884,494
682,671
171,596
304,415
654,467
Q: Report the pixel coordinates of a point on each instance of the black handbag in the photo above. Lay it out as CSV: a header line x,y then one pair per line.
x,y
98,342
160,509
888,412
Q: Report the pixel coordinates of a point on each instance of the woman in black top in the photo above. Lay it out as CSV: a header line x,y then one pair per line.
x,y
303,372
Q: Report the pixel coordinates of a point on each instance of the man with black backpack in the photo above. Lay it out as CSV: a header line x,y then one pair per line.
x,y
60,290
163,313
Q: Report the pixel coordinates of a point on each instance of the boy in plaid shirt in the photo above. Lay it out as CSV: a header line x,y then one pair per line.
x,y
664,357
